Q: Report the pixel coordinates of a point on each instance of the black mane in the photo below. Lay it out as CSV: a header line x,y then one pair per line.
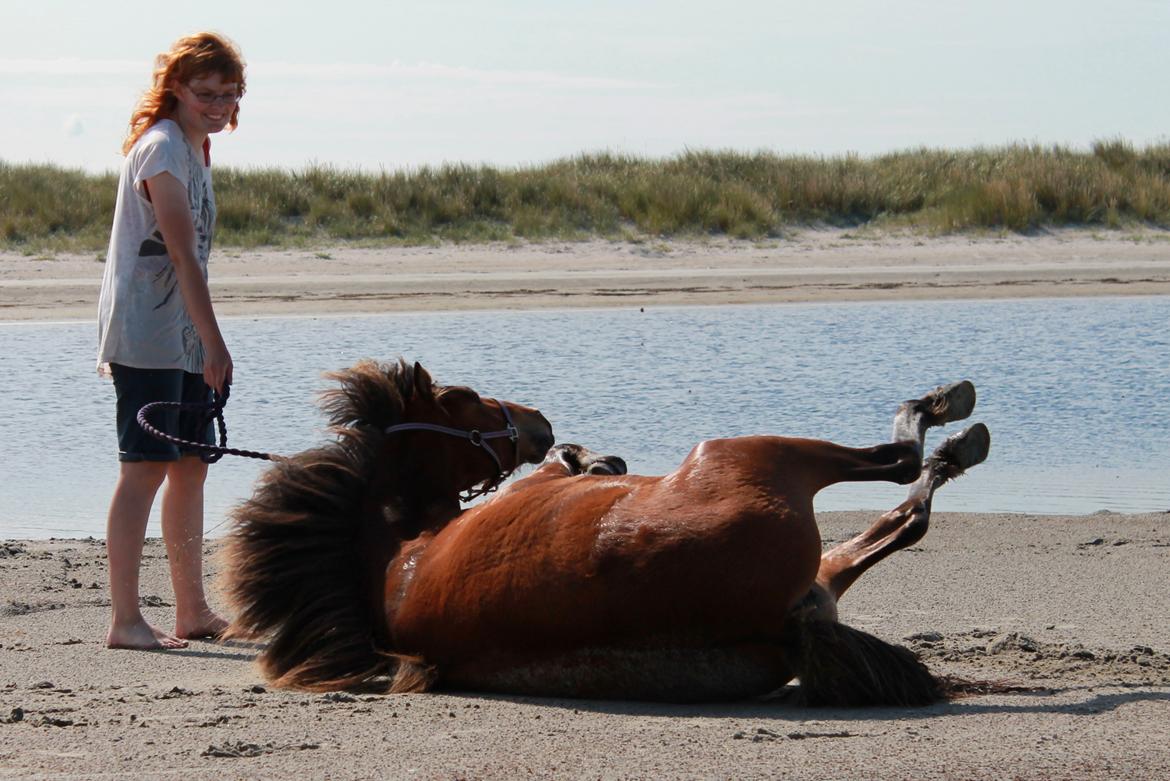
x,y
293,562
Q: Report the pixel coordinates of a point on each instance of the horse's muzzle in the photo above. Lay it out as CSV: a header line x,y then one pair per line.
x,y
536,437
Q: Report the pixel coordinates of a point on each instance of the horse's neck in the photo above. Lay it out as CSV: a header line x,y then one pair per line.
x,y
393,523
409,513
438,513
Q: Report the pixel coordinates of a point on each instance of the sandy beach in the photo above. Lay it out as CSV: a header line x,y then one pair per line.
x,y
807,266
1071,609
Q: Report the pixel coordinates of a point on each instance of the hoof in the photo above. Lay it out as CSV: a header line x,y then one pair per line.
x,y
607,465
960,452
581,460
948,403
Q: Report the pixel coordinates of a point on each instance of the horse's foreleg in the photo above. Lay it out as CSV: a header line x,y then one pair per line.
x,y
907,523
568,461
580,460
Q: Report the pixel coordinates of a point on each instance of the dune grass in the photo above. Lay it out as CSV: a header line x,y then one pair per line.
x,y
697,193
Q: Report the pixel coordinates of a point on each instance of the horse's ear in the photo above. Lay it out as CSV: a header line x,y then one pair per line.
x,y
423,384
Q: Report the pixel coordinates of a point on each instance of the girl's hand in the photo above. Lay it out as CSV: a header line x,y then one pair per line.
x,y
217,366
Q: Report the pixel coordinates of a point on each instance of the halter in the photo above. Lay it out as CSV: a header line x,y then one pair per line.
x,y
479,439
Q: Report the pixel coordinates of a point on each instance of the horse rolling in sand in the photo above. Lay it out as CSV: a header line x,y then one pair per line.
x,y
358,565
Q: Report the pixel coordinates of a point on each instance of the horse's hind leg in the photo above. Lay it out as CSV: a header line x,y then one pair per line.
x,y
837,665
944,404
901,460
907,523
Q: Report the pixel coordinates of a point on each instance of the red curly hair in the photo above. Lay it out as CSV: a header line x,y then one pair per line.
x,y
191,57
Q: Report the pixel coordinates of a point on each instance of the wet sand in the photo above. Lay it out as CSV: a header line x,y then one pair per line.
x,y
807,266
1073,608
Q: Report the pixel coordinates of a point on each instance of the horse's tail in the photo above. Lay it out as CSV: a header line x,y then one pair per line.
x,y
841,666
295,573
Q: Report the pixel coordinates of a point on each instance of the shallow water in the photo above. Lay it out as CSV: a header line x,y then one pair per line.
x,y
1076,393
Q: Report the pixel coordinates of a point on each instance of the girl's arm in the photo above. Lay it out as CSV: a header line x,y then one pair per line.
x,y
169,197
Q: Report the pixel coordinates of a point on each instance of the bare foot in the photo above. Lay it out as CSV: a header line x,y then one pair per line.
x,y
204,626
143,637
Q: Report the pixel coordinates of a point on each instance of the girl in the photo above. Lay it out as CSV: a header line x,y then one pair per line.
x,y
158,335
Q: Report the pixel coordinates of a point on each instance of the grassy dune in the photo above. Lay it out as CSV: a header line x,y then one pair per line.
x,y
697,193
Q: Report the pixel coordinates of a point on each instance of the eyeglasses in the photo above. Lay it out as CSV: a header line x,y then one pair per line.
x,y
210,98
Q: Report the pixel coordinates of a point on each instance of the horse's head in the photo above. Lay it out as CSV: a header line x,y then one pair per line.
x,y
485,439
457,439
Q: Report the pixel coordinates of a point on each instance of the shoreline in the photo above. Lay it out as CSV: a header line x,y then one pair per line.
x,y
814,266
987,596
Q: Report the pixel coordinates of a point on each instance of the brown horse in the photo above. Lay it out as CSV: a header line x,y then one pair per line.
x,y
708,583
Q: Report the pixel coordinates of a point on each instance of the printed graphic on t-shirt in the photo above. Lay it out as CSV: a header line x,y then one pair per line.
x,y
163,281
197,196
192,344
152,246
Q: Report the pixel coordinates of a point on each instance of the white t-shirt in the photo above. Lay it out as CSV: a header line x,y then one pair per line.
x,y
142,319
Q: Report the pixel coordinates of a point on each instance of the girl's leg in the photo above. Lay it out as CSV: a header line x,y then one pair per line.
x,y
182,526
138,483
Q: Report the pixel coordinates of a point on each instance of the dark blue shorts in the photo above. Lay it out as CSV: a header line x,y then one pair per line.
x,y
138,387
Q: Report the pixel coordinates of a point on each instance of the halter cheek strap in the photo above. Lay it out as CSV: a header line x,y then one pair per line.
x,y
480,440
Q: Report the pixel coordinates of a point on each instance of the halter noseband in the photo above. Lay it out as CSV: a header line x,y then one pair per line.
x,y
479,439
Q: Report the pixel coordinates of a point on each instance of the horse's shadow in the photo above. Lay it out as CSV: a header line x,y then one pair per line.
x,y
1102,702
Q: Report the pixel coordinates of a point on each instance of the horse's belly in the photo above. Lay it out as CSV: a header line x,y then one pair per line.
x,y
696,591
657,570
654,674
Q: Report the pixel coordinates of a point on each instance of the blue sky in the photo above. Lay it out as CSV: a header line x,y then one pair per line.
x,y
388,85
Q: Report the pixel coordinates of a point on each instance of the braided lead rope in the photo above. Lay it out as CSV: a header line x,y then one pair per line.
x,y
214,412
208,453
